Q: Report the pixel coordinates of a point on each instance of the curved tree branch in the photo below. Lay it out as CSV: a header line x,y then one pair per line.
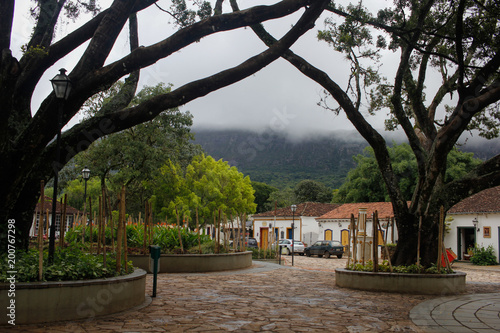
x,y
87,83
81,135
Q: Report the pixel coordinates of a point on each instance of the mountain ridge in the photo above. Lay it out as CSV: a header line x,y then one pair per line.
x,y
275,159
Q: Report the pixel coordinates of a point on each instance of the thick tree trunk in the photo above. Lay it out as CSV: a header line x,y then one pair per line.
x,y
406,249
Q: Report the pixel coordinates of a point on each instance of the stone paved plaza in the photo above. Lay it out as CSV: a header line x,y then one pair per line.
x,y
268,297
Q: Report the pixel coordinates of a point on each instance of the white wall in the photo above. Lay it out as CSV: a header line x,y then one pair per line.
x,y
465,220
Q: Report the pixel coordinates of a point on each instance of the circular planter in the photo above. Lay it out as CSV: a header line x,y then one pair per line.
x,y
194,263
39,302
428,284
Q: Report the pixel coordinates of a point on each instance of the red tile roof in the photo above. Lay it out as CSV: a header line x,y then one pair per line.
x,y
48,205
303,209
486,201
384,210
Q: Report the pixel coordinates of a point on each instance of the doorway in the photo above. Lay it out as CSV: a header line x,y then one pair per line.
x,y
264,236
328,234
466,237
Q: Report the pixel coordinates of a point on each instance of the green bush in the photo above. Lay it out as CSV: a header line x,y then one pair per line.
x,y
262,254
410,269
70,263
484,257
166,238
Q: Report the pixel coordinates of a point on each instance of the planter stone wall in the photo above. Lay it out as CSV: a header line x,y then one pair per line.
x,y
429,284
195,263
39,302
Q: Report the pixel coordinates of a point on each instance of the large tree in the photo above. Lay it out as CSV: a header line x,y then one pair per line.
x,y
26,136
446,48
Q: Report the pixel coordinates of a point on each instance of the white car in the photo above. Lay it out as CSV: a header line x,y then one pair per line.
x,y
286,246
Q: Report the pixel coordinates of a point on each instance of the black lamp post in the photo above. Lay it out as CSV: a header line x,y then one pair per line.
x,y
61,85
294,208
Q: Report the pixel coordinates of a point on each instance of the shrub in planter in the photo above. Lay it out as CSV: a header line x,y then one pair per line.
x,y
484,257
71,263
261,254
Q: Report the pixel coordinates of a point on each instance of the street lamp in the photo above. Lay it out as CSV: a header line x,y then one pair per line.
x,y
85,176
61,85
294,208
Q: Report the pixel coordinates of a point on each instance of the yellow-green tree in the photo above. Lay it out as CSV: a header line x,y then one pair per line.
x,y
207,185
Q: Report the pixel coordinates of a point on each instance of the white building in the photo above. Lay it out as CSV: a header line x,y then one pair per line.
x,y
475,220
335,225
272,225
46,210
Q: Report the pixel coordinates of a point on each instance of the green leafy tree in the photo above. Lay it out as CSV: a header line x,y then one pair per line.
x,y
281,198
311,190
262,194
26,134
132,157
363,182
457,42
206,185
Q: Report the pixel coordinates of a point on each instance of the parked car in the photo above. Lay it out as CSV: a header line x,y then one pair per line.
x,y
325,248
249,242
286,246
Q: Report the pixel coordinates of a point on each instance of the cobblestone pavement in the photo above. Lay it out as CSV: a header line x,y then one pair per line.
x,y
268,297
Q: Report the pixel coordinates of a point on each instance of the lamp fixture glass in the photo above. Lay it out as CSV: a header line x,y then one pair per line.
x,y
61,84
86,173
294,208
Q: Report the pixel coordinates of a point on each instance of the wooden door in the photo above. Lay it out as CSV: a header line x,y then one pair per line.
x,y
328,234
264,236
344,237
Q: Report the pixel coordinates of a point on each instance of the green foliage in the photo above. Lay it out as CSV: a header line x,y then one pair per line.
x,y
71,263
206,185
165,237
484,256
363,183
284,197
409,269
313,191
258,253
134,156
262,194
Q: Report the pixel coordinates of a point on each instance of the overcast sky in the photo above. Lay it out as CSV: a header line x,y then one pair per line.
x,y
277,98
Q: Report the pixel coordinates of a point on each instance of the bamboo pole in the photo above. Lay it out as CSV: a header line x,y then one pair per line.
x,y
386,250
440,243
375,241
111,223
418,239
146,215
40,232
47,221
119,236
198,228
179,229
355,249
218,234
103,237
150,223
91,225
99,225
62,225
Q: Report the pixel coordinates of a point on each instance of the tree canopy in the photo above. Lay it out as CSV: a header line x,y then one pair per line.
x,y
26,134
311,190
363,182
205,185
133,156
